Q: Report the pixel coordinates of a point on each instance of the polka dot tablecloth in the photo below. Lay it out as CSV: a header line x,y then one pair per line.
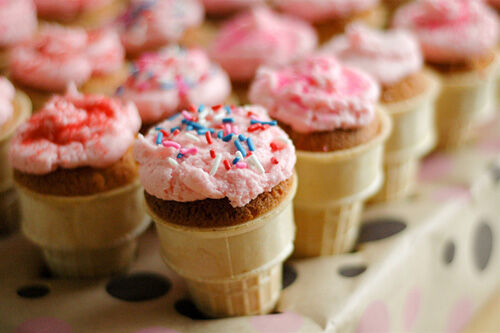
x,y
425,264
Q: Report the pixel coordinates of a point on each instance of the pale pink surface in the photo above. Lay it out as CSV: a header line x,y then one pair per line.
x,y
7,92
287,322
450,30
105,51
189,178
322,10
375,318
150,24
52,59
163,83
317,94
261,37
388,56
66,9
17,21
228,6
73,131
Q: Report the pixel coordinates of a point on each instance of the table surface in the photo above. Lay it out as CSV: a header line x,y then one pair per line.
x,y
488,319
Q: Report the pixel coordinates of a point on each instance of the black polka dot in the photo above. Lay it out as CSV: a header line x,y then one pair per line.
x,y
449,252
483,246
380,228
45,272
352,270
138,287
289,275
33,291
495,173
187,308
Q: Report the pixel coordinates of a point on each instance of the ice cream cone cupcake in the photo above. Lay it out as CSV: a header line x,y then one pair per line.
x,y
458,40
59,56
259,37
219,184
80,197
394,59
163,83
18,23
148,25
15,108
330,17
329,112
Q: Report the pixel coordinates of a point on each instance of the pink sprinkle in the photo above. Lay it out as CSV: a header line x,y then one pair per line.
x,y
241,165
168,143
187,116
227,129
235,129
190,151
143,86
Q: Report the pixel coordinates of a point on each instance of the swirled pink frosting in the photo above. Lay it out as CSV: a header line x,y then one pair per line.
x,y
317,94
7,92
74,131
149,24
105,51
322,10
261,37
228,6
17,21
163,83
389,56
450,30
191,165
66,9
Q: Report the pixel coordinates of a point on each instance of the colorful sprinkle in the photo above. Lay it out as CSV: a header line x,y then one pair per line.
x,y
190,151
192,137
179,155
201,108
227,165
236,160
228,120
172,130
255,161
271,123
215,165
208,137
177,131
216,107
240,148
172,162
250,145
274,160
174,116
277,145
238,154
228,109
159,138
220,134
254,127
241,165
228,137
241,137
187,115
212,153
173,144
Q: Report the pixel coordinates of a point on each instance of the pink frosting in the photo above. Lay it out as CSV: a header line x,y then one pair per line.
x,y
261,37
7,92
181,167
389,56
450,30
105,51
322,10
228,6
317,94
73,131
166,82
150,24
17,21
66,9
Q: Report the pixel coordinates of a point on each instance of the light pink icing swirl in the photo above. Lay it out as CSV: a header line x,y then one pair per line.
x,y
66,9
74,131
191,165
163,83
7,92
450,30
17,21
261,37
105,51
228,6
389,56
322,10
149,24
317,94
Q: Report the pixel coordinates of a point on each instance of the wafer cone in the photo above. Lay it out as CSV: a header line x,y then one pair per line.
x,y
8,200
4,60
465,102
332,189
413,135
87,236
231,271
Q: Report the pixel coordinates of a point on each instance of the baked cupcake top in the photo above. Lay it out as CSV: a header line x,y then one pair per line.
x,y
261,37
66,9
322,10
214,152
388,56
163,83
228,6
57,56
74,131
17,21
7,93
317,94
450,31
149,24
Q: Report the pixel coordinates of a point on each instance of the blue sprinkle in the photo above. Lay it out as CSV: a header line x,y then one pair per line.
x,y
240,148
211,130
227,120
250,145
119,91
202,131
236,160
189,128
167,85
272,123
149,75
195,125
185,121
200,108
179,155
158,128
228,137
228,109
172,130
174,116
241,137
159,138
220,134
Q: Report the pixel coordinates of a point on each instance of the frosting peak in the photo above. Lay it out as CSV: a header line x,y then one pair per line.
x,y
17,21
316,94
7,92
389,56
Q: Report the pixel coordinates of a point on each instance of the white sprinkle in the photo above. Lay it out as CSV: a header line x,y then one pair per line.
x,y
215,166
203,113
220,115
172,162
255,161
239,155
192,137
283,139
